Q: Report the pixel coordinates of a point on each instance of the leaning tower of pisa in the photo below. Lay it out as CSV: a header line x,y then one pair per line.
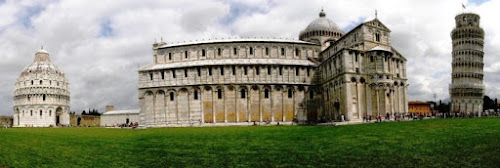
x,y
467,88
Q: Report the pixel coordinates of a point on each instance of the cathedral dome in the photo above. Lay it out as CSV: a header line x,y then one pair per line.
x,y
321,31
323,24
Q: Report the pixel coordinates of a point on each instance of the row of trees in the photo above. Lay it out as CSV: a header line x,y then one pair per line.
x,y
89,112
488,103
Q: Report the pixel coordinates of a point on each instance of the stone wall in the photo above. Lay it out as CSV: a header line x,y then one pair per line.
x,y
85,120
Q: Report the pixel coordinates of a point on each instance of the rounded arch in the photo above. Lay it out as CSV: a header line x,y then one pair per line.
x,y
353,79
278,87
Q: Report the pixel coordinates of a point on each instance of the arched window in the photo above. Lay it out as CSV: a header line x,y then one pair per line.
x,y
173,73
210,71
266,93
40,113
203,52
151,76
268,70
31,82
169,56
235,51
377,37
234,69
219,51
41,82
50,112
171,96
297,52
245,70
199,71
186,54
297,71
281,70
327,94
195,94
282,51
243,94
257,70
31,112
267,51
185,73
162,75
43,97
222,71
219,93
290,93
371,58
251,51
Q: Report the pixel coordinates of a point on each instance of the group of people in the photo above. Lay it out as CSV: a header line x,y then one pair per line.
x,y
387,117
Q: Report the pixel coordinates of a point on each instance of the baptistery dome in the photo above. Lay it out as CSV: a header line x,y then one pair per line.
x,y
41,94
321,31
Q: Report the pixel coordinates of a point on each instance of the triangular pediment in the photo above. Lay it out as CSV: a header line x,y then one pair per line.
x,y
376,23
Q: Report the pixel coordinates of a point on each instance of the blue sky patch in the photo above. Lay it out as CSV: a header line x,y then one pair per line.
x,y
28,13
105,29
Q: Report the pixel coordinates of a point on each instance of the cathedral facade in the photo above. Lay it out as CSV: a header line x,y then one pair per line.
x,y
41,94
467,87
326,75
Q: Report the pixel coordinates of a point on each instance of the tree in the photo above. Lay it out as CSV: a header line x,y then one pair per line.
x,y
496,105
488,103
83,113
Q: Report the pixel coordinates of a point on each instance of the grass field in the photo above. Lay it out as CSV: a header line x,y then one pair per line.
x,y
428,143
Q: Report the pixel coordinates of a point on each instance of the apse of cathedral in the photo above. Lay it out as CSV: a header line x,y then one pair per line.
x,y
326,75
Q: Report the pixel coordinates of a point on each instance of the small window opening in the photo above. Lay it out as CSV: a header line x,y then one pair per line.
x,y
219,93
171,96
243,95
195,94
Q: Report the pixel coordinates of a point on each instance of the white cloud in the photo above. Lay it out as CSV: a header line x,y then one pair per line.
x,y
102,68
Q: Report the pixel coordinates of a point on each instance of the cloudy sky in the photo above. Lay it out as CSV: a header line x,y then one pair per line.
x,y
99,44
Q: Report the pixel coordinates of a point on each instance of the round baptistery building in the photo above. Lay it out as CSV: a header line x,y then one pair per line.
x,y
41,94
325,75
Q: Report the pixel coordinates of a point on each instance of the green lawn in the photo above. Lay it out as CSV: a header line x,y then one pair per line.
x,y
428,143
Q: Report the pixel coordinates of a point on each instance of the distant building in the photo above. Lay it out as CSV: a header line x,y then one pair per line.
x,y
467,87
113,117
418,107
41,94
322,76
